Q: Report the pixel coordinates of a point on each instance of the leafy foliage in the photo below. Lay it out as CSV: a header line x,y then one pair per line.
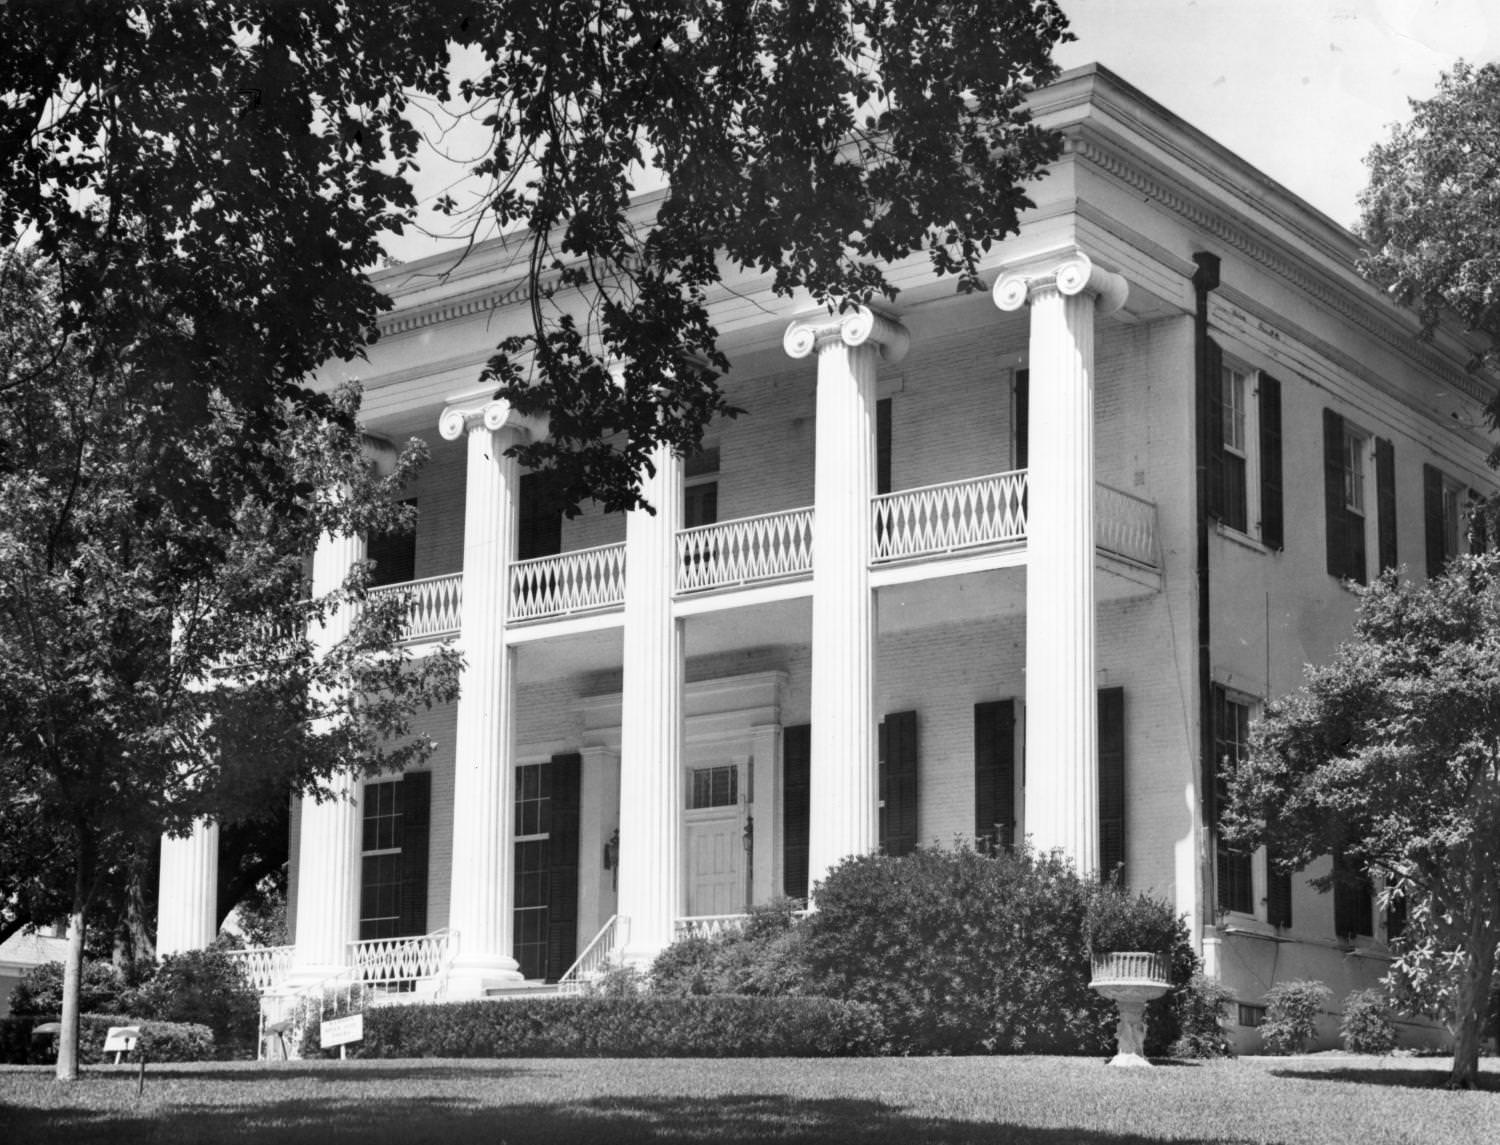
x,y
1390,756
764,958
1367,1025
1200,1011
40,989
1292,1010
159,1041
204,987
1429,213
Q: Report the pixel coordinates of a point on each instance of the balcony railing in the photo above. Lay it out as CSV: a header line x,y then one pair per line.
x,y
1125,525
577,581
265,967
946,518
391,961
432,605
745,550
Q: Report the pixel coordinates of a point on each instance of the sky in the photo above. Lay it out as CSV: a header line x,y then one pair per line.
x,y
1299,88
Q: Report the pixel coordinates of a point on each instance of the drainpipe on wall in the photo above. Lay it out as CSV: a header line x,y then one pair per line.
x,y
1205,280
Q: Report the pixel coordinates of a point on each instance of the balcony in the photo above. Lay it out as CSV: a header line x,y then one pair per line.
x,y
747,550
432,606
584,580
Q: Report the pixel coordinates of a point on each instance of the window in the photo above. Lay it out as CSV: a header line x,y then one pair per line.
x,y
1353,465
1244,450
1231,748
714,787
539,529
545,912
1444,512
1020,421
380,862
1353,901
883,446
1359,498
1234,508
700,494
1249,1015
394,556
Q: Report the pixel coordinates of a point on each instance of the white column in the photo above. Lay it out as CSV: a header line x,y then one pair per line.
x,y
328,850
651,792
187,915
1062,768
765,741
483,886
843,781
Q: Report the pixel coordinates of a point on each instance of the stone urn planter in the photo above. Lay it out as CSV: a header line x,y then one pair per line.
x,y
1130,979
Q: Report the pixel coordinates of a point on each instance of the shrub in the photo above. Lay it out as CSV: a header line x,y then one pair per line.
x,y
1368,1026
40,990
204,987
1200,1011
1292,1010
638,1027
763,958
960,952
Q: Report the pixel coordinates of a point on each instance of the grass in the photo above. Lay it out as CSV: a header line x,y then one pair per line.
x,y
884,1101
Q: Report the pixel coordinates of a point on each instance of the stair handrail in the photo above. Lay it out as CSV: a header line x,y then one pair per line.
x,y
596,954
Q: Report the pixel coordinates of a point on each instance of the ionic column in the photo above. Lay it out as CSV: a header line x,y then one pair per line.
x,y
651,803
187,895
844,778
483,880
1062,770
328,848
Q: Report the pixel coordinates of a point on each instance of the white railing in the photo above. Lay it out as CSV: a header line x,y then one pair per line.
x,y
1130,966
597,957
576,581
432,605
709,925
1125,525
265,967
745,550
287,1016
392,961
954,515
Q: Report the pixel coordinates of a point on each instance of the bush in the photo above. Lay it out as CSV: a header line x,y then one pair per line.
x,y
204,987
763,958
1200,1011
102,989
1292,1010
1368,1026
960,952
159,1041
639,1027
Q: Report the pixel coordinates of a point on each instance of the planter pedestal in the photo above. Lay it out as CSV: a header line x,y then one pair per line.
x,y
1130,979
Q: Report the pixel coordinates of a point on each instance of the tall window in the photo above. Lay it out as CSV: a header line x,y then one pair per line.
x,y
700,494
1231,749
1234,386
380,862
1353,465
1444,512
533,828
394,556
1244,460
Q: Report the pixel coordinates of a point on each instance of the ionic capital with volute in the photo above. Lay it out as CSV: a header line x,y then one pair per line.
x,y
482,410
1069,273
856,328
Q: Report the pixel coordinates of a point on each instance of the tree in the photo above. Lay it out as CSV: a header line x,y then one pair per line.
x,y
1390,757
1431,216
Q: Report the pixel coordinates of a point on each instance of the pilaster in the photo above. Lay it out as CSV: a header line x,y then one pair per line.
x,y
844,779
1062,772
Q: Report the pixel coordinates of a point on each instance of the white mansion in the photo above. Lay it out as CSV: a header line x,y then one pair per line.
x,y
1005,566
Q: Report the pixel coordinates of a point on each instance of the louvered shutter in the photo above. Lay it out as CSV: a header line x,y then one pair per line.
x,y
1345,529
1432,517
416,834
1021,431
796,805
1272,513
1111,781
898,783
995,774
883,445
1278,894
1385,501
562,863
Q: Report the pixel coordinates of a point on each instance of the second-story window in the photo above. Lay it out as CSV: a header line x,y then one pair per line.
x,y
1234,386
1245,492
1444,512
394,555
1359,477
700,493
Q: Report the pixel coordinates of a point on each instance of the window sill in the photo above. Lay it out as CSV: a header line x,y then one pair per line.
x,y
1244,540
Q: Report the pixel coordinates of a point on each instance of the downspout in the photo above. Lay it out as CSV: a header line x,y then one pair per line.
x,y
1205,279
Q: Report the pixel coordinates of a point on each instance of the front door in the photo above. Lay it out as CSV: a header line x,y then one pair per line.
x,y
714,842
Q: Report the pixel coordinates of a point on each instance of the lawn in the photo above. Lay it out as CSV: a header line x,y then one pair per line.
x,y
883,1101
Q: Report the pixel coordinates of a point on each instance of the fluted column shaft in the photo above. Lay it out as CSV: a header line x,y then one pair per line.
x,y
1062,769
328,848
651,791
844,773
483,881
187,898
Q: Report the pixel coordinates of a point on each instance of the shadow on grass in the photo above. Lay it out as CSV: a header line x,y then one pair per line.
x,y
428,1121
1394,1076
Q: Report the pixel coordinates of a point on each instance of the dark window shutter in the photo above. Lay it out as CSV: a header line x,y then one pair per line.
x,y
995,774
1353,912
562,863
1278,894
1217,494
1345,529
883,445
1021,431
539,533
1395,919
1112,782
1432,516
1272,514
1385,501
416,832
394,556
898,783
796,806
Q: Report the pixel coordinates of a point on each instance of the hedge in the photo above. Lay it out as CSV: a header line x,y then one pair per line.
x,y
713,1026
159,1041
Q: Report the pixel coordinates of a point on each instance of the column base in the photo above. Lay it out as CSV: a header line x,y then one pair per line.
x,y
1130,1061
471,978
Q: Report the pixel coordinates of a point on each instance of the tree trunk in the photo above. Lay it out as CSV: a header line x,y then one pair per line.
x,y
1471,1009
67,1039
